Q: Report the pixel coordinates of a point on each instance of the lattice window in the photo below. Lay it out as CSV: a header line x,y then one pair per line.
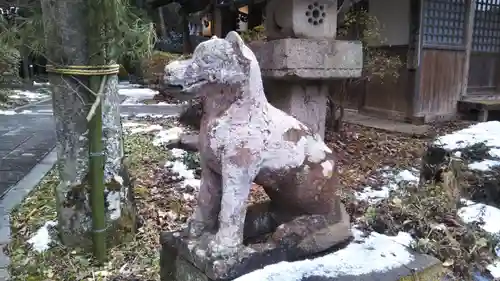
x,y
486,34
444,22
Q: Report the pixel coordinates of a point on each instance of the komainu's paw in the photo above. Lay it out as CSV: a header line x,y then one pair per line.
x,y
218,248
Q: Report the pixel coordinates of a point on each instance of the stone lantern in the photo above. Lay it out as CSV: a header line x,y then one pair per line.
x,y
302,57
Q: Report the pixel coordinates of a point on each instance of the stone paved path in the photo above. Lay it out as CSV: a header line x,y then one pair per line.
x,y
25,139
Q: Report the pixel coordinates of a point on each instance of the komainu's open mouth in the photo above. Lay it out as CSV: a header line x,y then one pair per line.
x,y
174,87
184,87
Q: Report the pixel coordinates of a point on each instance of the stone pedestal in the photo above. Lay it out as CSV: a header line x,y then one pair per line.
x,y
183,260
297,74
187,259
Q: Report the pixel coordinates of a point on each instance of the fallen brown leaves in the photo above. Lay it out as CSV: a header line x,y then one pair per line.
x,y
361,151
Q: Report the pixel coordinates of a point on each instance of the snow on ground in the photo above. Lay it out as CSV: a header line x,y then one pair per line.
x,y
161,136
393,178
178,166
164,137
380,253
479,212
482,212
168,136
29,95
39,84
484,132
136,95
18,98
42,238
13,112
127,85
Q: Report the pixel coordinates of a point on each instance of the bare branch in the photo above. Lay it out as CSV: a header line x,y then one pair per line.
x,y
344,8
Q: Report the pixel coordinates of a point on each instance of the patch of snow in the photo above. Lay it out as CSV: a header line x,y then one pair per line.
x,y
406,175
177,153
144,115
479,212
194,183
373,195
484,132
131,124
484,165
380,253
31,96
181,169
45,111
394,178
494,269
170,104
482,212
114,203
41,240
28,95
148,129
7,112
168,136
136,95
467,202
13,112
494,152
127,85
40,83
403,238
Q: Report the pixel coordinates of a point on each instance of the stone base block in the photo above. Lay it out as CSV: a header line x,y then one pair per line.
x,y
315,59
181,260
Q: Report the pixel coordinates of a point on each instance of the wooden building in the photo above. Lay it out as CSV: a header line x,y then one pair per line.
x,y
450,51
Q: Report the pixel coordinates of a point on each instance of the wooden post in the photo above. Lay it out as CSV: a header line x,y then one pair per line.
x,y
217,21
187,47
254,15
163,28
469,29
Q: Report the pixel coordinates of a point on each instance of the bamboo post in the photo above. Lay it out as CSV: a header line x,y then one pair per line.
x,y
96,147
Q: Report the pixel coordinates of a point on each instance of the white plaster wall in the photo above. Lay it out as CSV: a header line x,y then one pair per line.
x,y
394,17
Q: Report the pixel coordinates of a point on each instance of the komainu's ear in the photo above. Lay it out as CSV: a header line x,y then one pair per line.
x,y
238,45
234,37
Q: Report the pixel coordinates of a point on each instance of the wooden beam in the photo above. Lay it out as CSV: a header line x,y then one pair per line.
x,y
416,102
469,29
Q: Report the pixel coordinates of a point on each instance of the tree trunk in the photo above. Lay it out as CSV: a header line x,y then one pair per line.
x,y
66,28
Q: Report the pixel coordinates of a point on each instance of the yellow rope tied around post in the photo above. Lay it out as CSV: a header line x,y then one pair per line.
x,y
84,70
